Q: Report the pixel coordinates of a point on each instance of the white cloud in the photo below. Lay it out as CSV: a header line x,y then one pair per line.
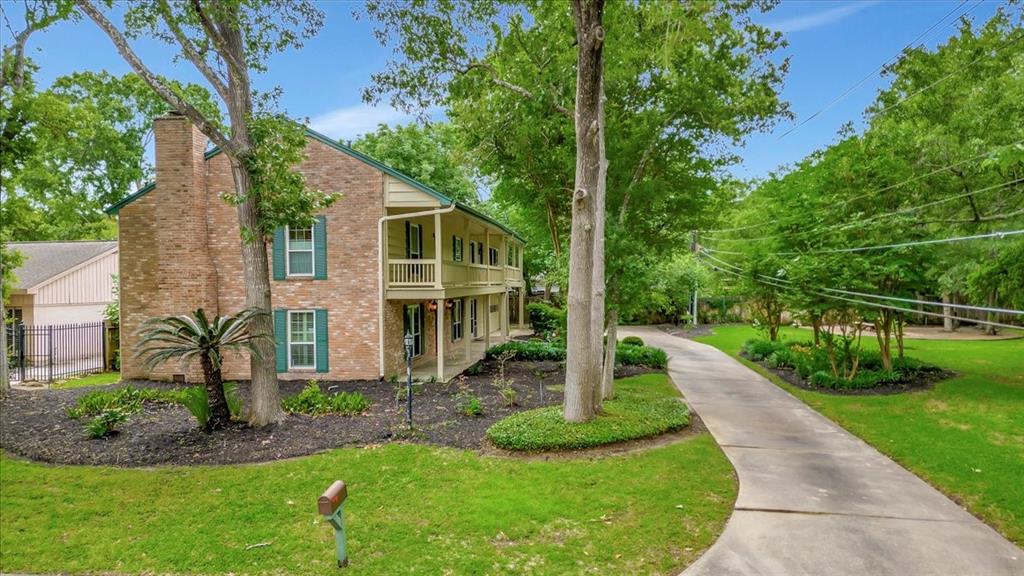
x,y
818,19
351,121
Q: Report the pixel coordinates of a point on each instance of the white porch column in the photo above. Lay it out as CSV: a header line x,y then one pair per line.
x,y
504,315
522,306
440,339
437,251
467,334
487,322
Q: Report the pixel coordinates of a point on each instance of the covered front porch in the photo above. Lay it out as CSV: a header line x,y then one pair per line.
x,y
459,360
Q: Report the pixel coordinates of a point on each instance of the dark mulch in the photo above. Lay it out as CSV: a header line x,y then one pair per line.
x,y
34,425
922,381
686,330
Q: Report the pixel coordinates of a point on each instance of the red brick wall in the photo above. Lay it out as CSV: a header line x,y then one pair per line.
x,y
173,259
164,261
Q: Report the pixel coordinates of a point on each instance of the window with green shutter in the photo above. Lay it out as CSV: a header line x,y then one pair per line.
x,y
301,252
322,349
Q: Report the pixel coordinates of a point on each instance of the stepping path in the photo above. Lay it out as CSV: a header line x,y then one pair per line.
x,y
813,498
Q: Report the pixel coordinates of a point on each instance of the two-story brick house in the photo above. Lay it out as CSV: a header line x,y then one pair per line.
x,y
392,256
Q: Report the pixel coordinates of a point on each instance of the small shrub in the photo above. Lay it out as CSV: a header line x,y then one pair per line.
x,y
195,399
633,341
649,356
530,351
502,382
312,401
758,349
475,369
234,399
106,423
823,379
785,358
468,404
128,400
546,319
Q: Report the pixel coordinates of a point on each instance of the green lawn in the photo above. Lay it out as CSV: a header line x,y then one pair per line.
x,y
97,379
411,509
965,436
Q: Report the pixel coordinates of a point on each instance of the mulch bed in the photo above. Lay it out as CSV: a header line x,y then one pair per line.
x,y
34,424
687,330
923,381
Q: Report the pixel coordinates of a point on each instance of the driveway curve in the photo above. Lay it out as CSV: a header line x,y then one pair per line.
x,y
813,498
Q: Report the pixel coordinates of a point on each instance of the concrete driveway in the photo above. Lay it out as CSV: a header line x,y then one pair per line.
x,y
813,498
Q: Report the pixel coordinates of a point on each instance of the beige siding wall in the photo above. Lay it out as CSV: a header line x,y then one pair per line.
x,y
401,194
90,284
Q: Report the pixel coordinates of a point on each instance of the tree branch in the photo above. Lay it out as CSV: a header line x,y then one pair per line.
x,y
219,41
181,105
190,51
512,87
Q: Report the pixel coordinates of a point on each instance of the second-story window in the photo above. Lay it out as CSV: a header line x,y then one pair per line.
x,y
300,251
493,256
457,248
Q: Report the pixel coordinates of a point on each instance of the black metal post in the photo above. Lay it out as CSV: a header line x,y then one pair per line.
x,y
49,354
408,378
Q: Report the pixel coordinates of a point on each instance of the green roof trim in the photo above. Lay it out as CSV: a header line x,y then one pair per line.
x,y
116,207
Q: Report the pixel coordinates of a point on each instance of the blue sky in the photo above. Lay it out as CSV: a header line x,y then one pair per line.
x,y
832,46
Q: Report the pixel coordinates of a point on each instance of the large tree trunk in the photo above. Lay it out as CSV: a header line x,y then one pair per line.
x,y
883,333
265,407
220,416
597,310
608,376
816,325
583,368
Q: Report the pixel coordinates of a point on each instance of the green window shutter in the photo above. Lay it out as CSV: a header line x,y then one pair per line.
x,y
321,340
278,247
281,339
408,240
320,248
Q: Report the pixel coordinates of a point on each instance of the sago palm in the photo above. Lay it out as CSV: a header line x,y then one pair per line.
x,y
189,337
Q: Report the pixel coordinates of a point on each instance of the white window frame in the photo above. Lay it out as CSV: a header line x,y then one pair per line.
x,y
289,341
288,253
457,309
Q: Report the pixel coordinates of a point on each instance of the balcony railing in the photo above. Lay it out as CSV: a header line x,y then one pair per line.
x,y
423,273
411,273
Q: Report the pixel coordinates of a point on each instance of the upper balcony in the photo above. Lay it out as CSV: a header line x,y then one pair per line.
x,y
448,254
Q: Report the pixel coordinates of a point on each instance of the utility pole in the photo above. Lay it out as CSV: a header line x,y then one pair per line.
x,y
693,307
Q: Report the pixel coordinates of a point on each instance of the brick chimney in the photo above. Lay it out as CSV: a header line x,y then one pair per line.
x,y
165,265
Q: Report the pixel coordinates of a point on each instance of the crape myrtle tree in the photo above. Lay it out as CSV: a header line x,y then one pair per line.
x,y
227,41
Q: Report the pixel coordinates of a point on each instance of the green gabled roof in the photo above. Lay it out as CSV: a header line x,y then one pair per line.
x,y
115,208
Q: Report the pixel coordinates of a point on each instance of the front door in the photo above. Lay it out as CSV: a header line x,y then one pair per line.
x,y
472,317
413,324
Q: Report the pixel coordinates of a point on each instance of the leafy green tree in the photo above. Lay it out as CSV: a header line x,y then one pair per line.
x,y
226,41
195,337
428,152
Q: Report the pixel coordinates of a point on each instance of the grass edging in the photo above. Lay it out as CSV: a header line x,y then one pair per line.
x,y
644,406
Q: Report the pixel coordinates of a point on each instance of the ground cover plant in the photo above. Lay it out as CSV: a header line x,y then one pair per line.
x,y
964,435
545,517
313,401
643,406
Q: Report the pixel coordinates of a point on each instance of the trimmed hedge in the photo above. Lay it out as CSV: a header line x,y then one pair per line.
x,y
633,341
644,406
533,350
546,319
537,350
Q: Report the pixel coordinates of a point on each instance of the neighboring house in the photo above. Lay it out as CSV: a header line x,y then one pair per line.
x,y
392,256
63,282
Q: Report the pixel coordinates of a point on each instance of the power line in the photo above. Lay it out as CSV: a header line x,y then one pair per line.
x,y
881,297
878,305
999,235
879,191
844,226
875,71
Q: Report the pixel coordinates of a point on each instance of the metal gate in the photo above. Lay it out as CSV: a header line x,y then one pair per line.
x,y
55,352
